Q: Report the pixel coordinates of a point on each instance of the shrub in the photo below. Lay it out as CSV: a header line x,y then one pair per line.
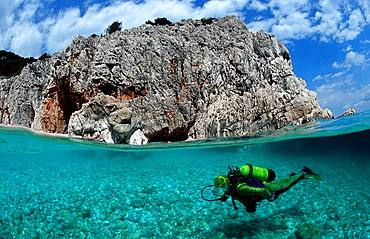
x,y
206,21
160,21
115,26
44,56
12,64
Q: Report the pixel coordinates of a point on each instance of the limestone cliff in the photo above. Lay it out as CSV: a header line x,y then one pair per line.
x,y
192,79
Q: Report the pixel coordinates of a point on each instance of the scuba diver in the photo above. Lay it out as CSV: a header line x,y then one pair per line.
x,y
250,185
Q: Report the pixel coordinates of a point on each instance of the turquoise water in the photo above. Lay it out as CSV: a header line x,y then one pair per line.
x,y
53,187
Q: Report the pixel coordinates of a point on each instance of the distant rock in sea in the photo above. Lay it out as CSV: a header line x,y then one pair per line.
x,y
194,79
348,112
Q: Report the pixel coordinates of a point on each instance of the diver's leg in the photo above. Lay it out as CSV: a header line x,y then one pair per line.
x,y
285,183
244,189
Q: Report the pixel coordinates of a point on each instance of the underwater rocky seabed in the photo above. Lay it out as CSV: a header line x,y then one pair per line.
x,y
54,188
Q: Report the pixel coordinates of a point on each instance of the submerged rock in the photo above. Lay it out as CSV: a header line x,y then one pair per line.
x,y
308,231
190,80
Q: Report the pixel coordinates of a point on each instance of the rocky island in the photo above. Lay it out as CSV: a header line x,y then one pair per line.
x,y
194,79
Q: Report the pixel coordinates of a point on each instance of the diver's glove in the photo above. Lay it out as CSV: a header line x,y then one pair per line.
x,y
273,197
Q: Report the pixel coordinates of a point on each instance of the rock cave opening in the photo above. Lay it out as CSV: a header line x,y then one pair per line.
x,y
163,135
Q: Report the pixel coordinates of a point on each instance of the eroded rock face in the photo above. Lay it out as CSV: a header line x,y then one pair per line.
x,y
105,119
166,83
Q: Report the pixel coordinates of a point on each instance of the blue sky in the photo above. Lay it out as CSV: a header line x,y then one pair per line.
x,y
329,40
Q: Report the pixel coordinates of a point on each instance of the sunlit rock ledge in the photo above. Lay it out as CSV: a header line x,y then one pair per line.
x,y
193,79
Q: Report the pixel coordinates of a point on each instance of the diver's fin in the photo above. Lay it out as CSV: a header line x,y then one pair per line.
x,y
310,174
317,177
307,170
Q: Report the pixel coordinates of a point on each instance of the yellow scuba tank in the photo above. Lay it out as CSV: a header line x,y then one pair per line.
x,y
263,174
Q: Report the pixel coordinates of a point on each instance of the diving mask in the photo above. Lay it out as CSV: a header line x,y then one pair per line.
x,y
219,191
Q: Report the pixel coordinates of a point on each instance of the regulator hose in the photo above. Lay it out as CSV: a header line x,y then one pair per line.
x,y
222,198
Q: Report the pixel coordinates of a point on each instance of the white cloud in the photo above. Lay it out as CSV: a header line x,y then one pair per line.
x,y
22,43
348,81
293,26
355,58
19,32
58,31
362,105
257,5
28,11
351,28
338,20
349,48
264,24
329,76
281,8
327,19
62,30
348,88
290,18
341,91
97,18
352,59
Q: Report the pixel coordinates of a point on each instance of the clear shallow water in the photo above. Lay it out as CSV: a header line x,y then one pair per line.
x,y
62,188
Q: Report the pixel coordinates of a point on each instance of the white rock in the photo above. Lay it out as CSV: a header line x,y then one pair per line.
x,y
138,138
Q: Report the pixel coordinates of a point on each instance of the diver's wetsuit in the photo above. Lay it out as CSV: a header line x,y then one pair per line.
x,y
254,190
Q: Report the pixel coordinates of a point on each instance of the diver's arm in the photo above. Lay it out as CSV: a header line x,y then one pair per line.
x,y
244,189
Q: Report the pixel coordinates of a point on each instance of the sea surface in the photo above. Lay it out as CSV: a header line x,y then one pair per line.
x,y
56,187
